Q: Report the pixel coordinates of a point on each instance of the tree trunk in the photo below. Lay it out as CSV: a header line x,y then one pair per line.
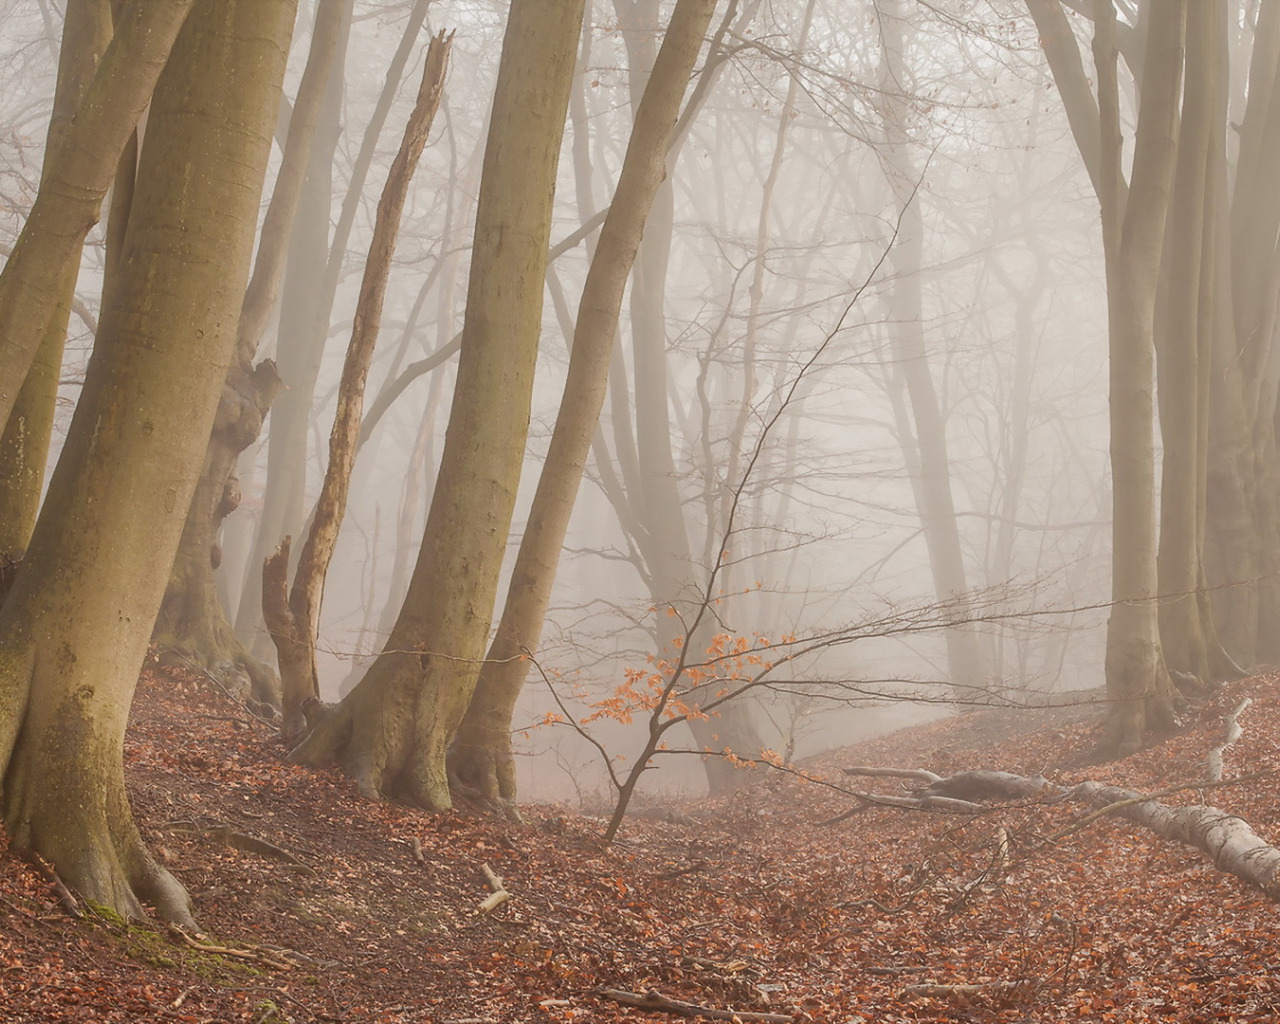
x,y
1138,684
75,182
24,443
193,622
481,760
925,437
392,731
74,632
1185,324
293,623
311,281
656,501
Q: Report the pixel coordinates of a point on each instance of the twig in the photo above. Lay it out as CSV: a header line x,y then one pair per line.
x,y
655,1000
66,901
692,869
931,990
182,998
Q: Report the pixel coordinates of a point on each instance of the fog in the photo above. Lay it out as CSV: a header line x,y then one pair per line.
x,y
874,200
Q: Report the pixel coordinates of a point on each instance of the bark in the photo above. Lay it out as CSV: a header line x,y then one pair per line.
x,y
193,622
1138,684
1181,336
76,181
74,632
24,443
392,731
481,761
294,623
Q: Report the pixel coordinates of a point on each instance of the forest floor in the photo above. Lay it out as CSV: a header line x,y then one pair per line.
x,y
317,905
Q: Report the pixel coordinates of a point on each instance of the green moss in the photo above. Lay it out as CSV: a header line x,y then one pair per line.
x,y
107,914
267,1012
147,946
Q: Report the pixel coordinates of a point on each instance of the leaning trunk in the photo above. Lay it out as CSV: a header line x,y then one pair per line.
x,y
481,761
392,731
74,632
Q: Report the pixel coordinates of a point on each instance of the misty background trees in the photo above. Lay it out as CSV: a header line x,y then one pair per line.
x,y
847,316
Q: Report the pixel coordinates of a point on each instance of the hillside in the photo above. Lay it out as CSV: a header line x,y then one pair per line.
x,y
319,906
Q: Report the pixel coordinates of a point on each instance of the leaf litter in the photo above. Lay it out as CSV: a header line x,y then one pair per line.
x,y
317,905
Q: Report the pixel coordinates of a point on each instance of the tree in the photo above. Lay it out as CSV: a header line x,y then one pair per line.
x,y
481,759
74,630
391,732
24,443
1138,684
923,432
75,181
1177,292
644,488
192,621
294,618
312,274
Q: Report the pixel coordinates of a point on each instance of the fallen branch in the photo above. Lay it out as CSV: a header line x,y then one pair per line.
x,y
69,904
930,990
1231,733
926,802
655,1000
246,844
499,895
911,774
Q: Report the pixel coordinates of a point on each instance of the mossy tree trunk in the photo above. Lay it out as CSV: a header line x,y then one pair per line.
x,y
75,181
75,629
481,761
24,444
391,732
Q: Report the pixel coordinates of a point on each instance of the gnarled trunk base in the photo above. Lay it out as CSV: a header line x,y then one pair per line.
x,y
386,735
64,799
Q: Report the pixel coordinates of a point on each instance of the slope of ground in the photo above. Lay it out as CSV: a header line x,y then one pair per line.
x,y
319,906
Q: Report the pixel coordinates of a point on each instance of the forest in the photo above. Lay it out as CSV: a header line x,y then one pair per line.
x,y
750,510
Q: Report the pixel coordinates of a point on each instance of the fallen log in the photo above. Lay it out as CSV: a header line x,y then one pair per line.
x,y
1228,840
